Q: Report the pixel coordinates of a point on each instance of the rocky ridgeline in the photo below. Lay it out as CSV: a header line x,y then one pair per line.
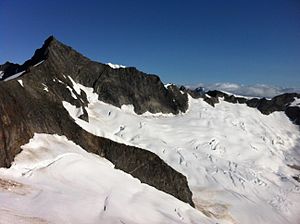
x,y
265,106
36,107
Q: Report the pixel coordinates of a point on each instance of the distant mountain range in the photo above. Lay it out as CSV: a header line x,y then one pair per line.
x,y
257,90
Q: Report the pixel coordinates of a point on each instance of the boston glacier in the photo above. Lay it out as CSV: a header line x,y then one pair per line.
x,y
86,142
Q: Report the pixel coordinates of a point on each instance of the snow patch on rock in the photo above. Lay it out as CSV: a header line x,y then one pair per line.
x,y
14,76
295,103
115,66
21,82
38,63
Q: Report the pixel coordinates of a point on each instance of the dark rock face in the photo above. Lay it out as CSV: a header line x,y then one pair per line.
x,y
136,162
216,94
278,103
180,98
294,114
10,69
196,93
114,86
30,109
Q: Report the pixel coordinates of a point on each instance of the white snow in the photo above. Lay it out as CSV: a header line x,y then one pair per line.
x,y
115,66
45,87
21,82
54,180
296,102
38,63
234,157
1,74
60,81
72,93
14,76
73,110
167,85
75,85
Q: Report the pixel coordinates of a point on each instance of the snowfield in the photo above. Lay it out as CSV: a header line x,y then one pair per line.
x,y
53,180
235,158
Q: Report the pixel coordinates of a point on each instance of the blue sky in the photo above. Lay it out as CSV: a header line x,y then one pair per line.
x,y
246,42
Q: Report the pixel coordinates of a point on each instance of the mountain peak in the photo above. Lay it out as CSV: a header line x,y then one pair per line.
x,y
8,69
51,39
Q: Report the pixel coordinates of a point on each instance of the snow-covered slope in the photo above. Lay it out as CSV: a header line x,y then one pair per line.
x,y
54,180
235,158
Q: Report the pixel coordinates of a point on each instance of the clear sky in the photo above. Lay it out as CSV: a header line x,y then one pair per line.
x,y
241,41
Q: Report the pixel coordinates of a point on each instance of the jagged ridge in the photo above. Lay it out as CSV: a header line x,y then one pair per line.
x,y
40,54
265,106
30,109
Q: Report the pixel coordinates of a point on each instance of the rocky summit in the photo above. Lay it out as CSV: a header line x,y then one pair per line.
x,y
25,111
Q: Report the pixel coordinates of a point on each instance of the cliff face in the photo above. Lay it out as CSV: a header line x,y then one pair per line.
x,y
34,105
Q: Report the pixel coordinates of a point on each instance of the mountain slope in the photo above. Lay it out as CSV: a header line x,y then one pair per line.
x,y
114,86
52,174
33,104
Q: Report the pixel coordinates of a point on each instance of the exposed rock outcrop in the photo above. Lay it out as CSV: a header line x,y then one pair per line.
x,y
40,54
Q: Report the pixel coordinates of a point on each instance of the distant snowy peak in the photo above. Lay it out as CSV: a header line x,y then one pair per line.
x,y
115,66
257,90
